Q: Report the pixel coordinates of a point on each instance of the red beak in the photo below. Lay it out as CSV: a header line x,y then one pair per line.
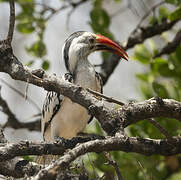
x,y
106,44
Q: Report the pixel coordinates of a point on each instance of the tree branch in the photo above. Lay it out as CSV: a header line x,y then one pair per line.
x,y
114,164
111,120
154,107
143,33
31,101
11,150
127,144
160,128
137,37
13,122
11,22
171,46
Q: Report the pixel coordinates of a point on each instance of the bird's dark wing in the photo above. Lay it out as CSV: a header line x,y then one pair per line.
x,y
100,87
51,106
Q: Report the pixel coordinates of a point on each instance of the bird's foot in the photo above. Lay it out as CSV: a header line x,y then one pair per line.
x,y
61,140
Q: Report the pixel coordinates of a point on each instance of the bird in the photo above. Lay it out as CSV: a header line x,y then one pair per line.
x,y
60,116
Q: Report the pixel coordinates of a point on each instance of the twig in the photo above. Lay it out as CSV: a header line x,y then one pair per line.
x,y
11,22
171,46
142,169
108,99
68,17
26,90
2,138
114,164
21,94
74,5
13,121
93,167
161,129
146,15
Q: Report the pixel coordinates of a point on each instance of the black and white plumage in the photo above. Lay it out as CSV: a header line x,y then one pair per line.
x,y
60,116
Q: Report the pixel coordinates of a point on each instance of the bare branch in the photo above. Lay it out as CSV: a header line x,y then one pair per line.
x,y
127,144
21,94
139,36
11,21
114,164
11,150
142,169
154,107
14,122
16,167
73,5
108,99
160,128
146,15
144,33
19,168
2,138
111,120
171,46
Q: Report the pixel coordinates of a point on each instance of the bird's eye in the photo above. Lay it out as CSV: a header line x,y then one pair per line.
x,y
91,40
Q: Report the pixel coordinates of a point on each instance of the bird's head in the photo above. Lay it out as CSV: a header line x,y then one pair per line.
x,y
80,44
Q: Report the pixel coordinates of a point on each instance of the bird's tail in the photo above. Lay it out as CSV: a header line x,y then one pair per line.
x,y
46,159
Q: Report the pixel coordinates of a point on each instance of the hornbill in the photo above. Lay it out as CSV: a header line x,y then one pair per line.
x,y
60,116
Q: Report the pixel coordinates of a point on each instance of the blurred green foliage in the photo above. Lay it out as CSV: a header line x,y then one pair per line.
x,y
160,77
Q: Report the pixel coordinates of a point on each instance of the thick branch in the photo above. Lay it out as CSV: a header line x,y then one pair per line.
x,y
154,107
123,143
11,150
110,119
18,168
144,33
127,144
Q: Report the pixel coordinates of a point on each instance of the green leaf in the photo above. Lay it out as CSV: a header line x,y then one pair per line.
x,y
25,28
163,13
37,49
46,65
146,90
30,63
142,54
161,66
178,52
99,18
175,15
117,1
97,3
160,90
147,77
175,2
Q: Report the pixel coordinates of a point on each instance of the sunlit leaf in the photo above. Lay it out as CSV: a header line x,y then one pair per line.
x,y
163,12
38,49
142,54
30,63
25,28
160,90
147,77
100,18
176,14
175,2
46,65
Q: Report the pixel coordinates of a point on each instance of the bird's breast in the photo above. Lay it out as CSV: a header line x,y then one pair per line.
x,y
70,120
